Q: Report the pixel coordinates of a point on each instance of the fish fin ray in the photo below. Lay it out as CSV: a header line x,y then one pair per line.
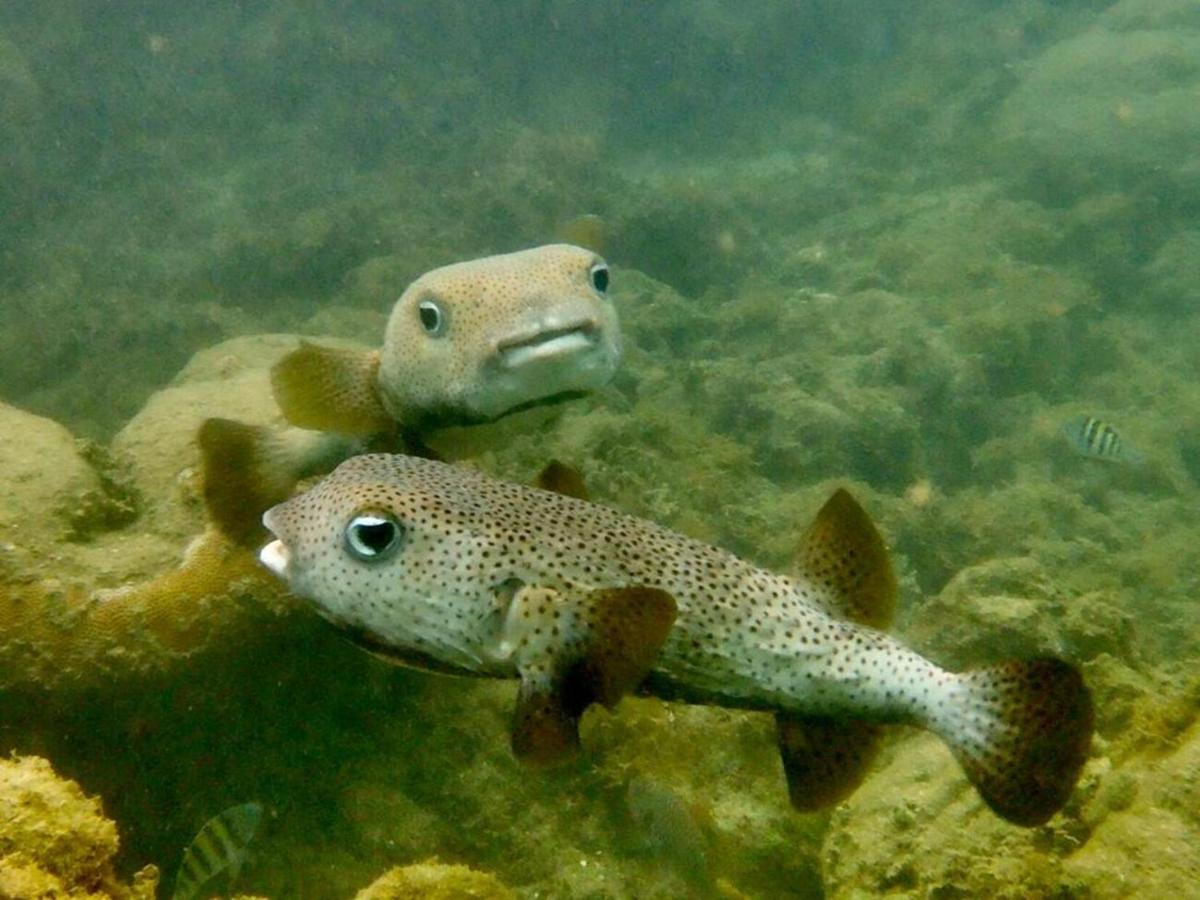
x,y
844,556
1022,734
561,478
330,389
824,759
575,650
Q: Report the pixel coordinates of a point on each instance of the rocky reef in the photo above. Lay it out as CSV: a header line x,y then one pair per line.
x,y
55,842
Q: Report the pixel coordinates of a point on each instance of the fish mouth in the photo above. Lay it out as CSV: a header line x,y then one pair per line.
x,y
275,556
544,343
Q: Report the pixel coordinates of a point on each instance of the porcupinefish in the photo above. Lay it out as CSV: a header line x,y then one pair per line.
x,y
220,846
436,566
1098,439
465,344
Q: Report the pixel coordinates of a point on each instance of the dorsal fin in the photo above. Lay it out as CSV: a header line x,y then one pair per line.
x,y
561,478
843,555
330,389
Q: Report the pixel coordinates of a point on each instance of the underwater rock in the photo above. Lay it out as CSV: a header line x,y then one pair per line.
x,y
59,623
1173,275
432,880
230,380
1146,827
914,830
1012,607
1115,103
55,842
46,480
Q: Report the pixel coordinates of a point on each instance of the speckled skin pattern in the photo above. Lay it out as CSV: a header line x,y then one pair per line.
x,y
511,326
743,636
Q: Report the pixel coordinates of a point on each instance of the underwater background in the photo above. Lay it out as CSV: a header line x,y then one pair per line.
x,y
899,247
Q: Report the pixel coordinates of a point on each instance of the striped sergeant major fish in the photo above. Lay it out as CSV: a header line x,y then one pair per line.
x,y
1096,438
218,847
439,567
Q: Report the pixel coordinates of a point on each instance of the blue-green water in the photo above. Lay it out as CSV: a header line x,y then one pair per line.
x,y
893,246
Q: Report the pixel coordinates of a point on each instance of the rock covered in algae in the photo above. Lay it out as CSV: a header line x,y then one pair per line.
x,y
433,880
1120,95
46,480
230,380
1132,829
55,842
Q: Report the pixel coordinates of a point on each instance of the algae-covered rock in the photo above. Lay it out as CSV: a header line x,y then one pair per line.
x,y
1146,828
1123,101
45,481
54,841
230,380
916,829
433,880
1011,607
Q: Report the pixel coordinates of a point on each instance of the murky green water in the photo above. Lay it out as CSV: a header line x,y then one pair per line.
x,y
891,246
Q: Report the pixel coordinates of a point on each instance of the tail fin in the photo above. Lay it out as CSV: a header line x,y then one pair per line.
x,y
1021,734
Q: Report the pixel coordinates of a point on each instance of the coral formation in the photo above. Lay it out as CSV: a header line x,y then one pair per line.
x,y
55,842
433,880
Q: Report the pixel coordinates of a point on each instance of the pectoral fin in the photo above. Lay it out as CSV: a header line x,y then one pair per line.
x,y
824,760
573,651
330,389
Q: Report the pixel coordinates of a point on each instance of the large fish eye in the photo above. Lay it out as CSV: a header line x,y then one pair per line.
x,y
599,277
433,317
372,536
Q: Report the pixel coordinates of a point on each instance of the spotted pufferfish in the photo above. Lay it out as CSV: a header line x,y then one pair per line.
x,y
464,344
439,567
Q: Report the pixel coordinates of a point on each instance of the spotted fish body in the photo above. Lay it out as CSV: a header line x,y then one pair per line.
x,y
438,566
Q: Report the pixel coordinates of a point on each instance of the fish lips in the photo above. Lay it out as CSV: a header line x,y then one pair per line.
x,y
547,343
275,555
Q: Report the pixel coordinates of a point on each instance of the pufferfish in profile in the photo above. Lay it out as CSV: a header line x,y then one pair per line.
x,y
439,567
467,343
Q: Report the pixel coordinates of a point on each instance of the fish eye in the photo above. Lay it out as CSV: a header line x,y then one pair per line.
x,y
433,317
599,276
372,537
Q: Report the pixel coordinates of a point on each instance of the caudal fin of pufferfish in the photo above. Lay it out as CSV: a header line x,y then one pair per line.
x,y
1021,731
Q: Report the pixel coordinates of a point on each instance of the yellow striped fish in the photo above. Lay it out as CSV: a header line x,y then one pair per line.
x,y
219,846
1096,438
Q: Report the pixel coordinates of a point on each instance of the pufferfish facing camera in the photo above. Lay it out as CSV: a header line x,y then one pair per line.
x,y
439,567
467,343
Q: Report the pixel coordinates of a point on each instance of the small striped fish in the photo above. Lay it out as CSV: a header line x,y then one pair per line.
x,y
219,845
1096,438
